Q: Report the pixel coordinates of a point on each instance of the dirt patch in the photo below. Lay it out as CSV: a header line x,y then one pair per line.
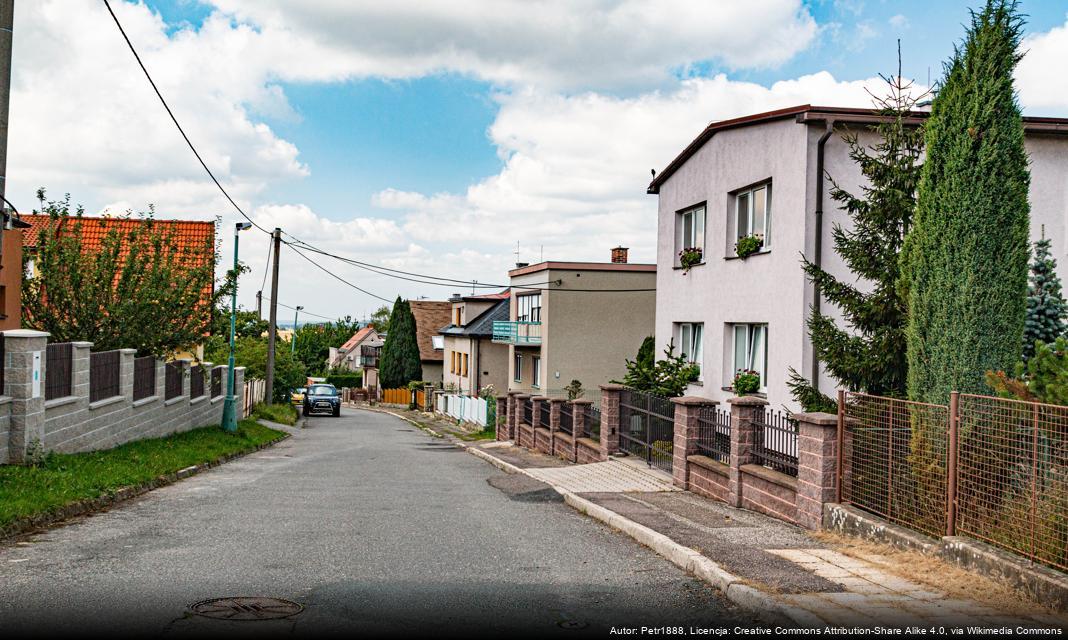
x,y
941,576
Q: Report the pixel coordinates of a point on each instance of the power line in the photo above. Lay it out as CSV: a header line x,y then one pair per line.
x,y
307,313
337,277
268,267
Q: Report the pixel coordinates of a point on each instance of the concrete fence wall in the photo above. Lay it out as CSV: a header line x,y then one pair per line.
x,y
73,424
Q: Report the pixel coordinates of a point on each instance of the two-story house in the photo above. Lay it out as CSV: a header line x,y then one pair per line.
x,y
347,356
767,175
472,360
576,321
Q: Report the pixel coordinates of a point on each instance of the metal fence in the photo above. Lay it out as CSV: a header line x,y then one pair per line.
x,y
897,460
59,366
1011,485
397,396
543,414
196,381
144,378
216,382
255,392
775,442
592,429
103,375
528,411
647,427
172,380
567,418
466,408
714,433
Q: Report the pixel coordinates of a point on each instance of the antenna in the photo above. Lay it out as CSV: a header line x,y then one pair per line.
x,y
542,257
517,251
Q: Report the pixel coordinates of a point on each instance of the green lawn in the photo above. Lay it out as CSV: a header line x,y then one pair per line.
x,y
66,478
282,413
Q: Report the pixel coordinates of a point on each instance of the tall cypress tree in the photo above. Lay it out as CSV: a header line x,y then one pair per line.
x,y
1046,309
870,356
964,268
399,363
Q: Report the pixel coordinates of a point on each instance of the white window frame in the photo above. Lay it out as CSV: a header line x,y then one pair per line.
x,y
535,371
528,307
694,238
517,363
755,336
747,197
690,339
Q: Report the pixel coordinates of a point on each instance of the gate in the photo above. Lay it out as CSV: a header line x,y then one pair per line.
x,y
647,427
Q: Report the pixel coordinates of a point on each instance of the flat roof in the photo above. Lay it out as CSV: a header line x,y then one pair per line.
x,y
583,266
807,113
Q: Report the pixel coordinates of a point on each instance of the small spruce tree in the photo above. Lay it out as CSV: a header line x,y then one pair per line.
x,y
964,264
1046,309
399,363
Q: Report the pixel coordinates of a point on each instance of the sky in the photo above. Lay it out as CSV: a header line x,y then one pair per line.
x,y
451,139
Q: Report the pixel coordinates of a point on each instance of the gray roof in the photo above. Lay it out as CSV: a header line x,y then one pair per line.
x,y
482,326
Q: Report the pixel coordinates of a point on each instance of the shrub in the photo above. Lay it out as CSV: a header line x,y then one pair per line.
x,y
348,379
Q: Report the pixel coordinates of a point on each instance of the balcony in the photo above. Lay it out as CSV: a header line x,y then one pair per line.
x,y
517,332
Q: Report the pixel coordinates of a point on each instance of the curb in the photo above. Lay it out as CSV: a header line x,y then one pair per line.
x,y
415,424
92,505
733,587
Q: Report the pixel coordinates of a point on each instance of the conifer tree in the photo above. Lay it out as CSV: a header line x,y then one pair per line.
x,y
964,264
870,355
399,363
1046,309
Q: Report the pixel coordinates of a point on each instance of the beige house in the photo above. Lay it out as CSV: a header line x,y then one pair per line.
x,y
430,317
576,321
472,360
766,175
347,356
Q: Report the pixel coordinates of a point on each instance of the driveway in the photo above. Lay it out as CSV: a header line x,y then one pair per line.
x,y
369,523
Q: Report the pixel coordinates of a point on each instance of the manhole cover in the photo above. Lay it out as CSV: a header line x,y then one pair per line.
x,y
246,608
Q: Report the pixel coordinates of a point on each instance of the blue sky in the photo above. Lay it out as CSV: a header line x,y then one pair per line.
x,y
433,137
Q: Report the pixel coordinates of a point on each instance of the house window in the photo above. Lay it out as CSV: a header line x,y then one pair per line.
x,y
518,365
452,362
456,316
751,350
690,337
753,213
690,226
465,365
535,376
528,308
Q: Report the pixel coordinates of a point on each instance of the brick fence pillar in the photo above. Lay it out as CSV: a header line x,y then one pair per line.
x,y
521,416
817,463
687,410
579,413
610,419
554,422
500,417
26,386
429,398
746,413
511,423
538,405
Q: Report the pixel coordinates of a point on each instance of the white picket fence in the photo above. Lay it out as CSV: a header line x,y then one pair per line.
x,y
463,408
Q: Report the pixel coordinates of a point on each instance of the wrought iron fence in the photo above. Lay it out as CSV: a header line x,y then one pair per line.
x,y
196,381
647,427
775,442
172,380
528,411
592,428
144,377
216,382
1011,485
714,433
59,367
103,375
567,418
543,414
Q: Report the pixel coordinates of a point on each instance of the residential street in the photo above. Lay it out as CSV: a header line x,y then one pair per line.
x,y
371,524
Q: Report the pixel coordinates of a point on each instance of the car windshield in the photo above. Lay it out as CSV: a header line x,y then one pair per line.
x,y
322,390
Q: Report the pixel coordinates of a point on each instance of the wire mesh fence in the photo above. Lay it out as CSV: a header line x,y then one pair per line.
x,y
103,375
714,433
647,427
59,367
775,442
144,378
897,460
1012,476
567,418
172,380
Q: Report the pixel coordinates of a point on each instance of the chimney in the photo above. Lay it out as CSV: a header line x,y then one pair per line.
x,y
520,265
619,255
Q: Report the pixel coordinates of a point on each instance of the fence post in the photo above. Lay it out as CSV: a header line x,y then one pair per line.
x,y
500,415
513,430
554,422
746,413
579,413
428,398
839,447
537,405
610,419
521,418
27,407
951,464
687,409
79,370
126,373
817,466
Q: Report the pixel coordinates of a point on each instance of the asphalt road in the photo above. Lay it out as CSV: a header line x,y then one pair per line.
x,y
373,526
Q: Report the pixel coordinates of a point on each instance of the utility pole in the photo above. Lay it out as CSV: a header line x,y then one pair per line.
x,y
259,305
7,12
273,328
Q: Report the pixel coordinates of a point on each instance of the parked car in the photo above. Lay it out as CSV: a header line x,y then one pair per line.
x,y
320,398
296,396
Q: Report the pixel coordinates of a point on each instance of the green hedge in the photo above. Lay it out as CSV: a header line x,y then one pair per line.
x,y
341,380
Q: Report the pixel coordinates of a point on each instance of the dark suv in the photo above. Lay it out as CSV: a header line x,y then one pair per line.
x,y
321,398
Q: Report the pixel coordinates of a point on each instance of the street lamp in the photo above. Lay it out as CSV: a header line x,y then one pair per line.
x,y
229,419
293,342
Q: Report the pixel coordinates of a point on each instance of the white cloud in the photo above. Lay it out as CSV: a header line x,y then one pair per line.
x,y
899,22
1040,75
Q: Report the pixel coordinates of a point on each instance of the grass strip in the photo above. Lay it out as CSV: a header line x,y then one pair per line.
x,y
63,479
282,413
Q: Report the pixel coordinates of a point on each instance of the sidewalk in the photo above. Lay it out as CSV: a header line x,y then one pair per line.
x,y
790,575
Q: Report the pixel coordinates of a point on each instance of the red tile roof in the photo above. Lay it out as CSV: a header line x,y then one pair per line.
x,y
430,317
491,296
357,338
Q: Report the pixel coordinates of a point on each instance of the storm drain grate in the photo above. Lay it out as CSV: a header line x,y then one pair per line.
x,y
246,608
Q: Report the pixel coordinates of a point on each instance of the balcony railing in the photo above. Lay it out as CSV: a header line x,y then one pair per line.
x,y
369,361
517,332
